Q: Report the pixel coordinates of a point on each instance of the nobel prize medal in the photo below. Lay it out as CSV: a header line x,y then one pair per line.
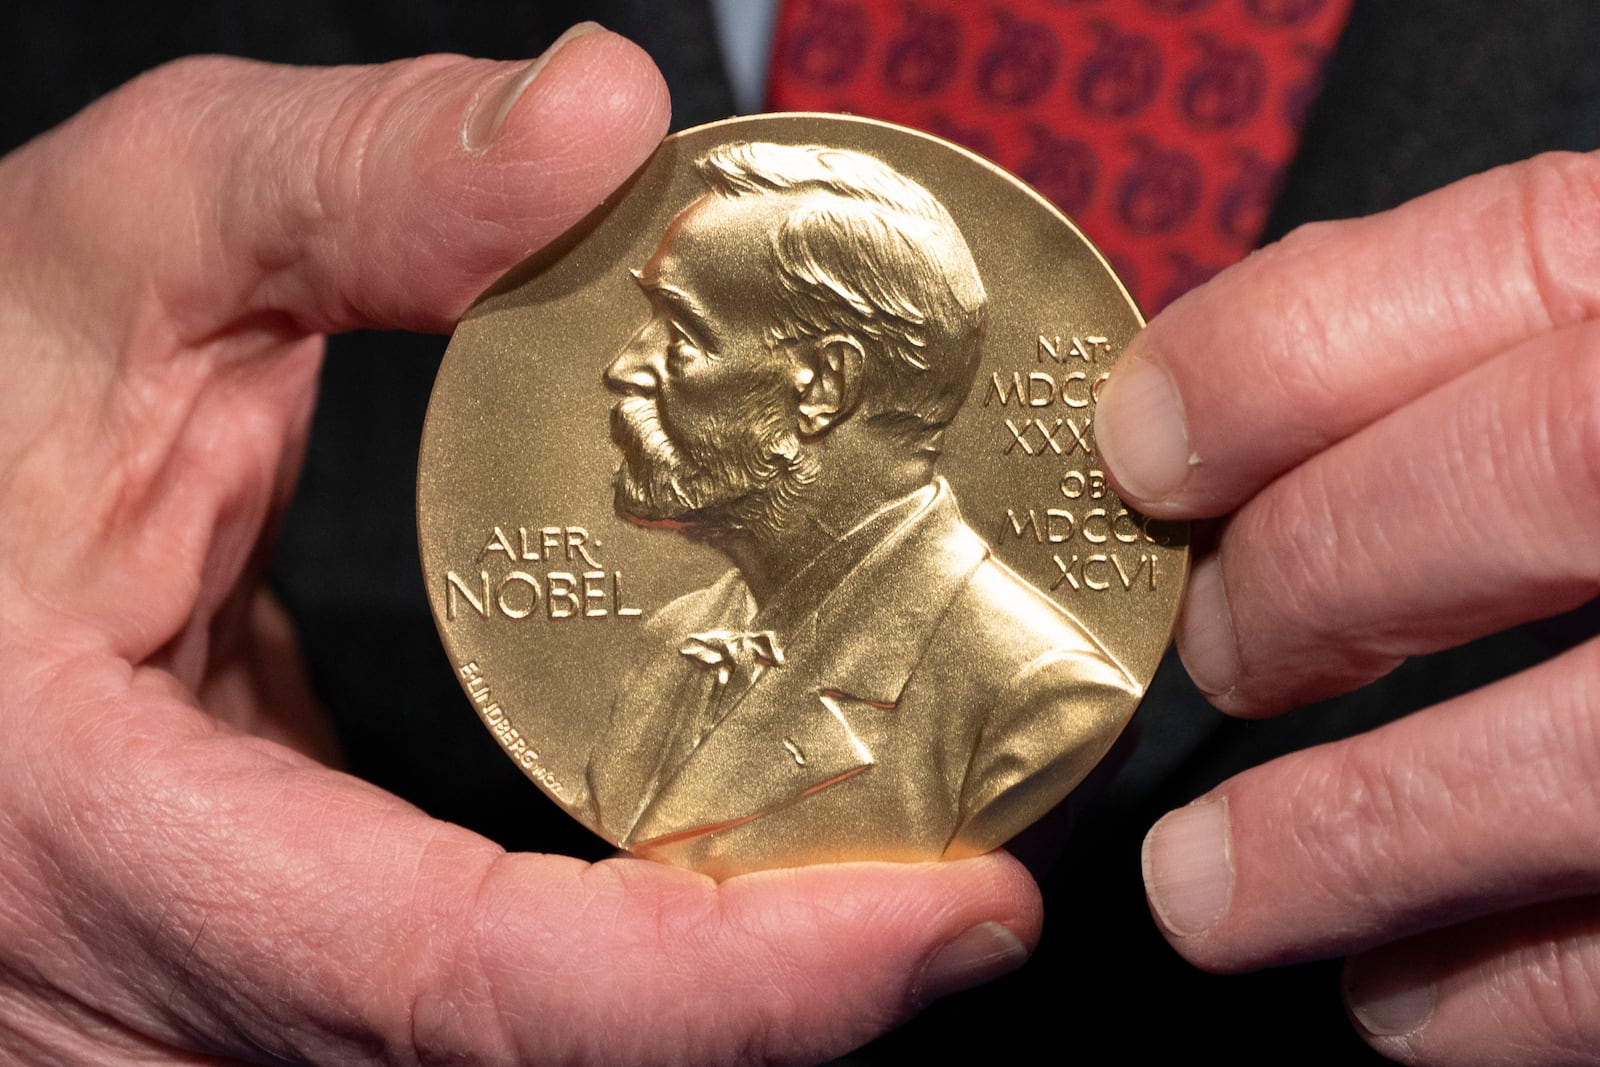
x,y
761,516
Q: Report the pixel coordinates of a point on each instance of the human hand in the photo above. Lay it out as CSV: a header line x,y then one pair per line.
x,y
180,880
1399,413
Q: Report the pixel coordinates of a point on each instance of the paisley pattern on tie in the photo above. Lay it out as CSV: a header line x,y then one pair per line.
x,y
1161,126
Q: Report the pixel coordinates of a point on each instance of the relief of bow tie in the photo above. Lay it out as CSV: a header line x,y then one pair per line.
x,y
734,651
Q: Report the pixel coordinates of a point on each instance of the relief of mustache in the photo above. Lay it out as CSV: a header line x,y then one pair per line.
x,y
636,430
651,462
752,480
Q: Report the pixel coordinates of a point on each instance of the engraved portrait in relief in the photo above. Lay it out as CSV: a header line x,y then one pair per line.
x,y
867,680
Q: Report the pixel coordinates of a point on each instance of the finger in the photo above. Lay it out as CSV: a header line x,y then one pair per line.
x,y
1522,988
1445,521
1307,341
1481,804
256,905
357,196
296,201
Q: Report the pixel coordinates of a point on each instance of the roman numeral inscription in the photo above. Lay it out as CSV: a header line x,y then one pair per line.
x,y
1045,412
1067,373
1040,437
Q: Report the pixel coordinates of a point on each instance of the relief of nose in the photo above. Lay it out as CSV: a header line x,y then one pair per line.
x,y
639,367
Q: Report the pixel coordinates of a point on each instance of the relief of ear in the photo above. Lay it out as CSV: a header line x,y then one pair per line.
x,y
830,380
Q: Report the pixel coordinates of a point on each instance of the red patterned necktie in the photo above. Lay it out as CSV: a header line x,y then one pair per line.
x,y
1162,127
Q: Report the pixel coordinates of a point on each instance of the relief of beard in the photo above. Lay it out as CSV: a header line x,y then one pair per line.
x,y
730,476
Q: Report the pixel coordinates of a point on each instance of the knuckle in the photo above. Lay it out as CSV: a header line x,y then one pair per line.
x,y
453,1014
1557,197
141,130
1301,595
634,942
175,80
1552,994
1573,401
1299,320
1585,718
1306,243
1298,516
1353,827
1556,744
366,104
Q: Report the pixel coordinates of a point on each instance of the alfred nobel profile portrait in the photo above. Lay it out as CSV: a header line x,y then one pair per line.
x,y
867,681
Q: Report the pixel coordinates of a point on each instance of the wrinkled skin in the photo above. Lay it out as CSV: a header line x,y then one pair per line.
x,y
1399,419
182,879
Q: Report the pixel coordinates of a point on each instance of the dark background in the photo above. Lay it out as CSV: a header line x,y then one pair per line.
x,y
1419,93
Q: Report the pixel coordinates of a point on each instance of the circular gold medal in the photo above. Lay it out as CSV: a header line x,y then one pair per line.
x,y
761,516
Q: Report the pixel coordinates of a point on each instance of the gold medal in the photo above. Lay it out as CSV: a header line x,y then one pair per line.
x,y
761,516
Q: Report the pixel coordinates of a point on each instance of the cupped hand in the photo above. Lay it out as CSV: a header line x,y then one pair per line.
x,y
1400,418
181,881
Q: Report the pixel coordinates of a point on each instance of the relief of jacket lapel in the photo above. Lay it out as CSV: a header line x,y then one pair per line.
x,y
810,724
874,629
650,705
775,747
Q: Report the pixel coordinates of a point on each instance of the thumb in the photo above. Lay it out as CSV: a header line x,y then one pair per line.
x,y
349,197
220,895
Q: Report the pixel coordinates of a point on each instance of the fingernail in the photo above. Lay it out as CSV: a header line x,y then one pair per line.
x,y
1388,994
1140,431
1205,631
1188,867
487,114
981,954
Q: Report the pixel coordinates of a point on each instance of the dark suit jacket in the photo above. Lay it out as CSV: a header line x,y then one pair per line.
x,y
932,705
